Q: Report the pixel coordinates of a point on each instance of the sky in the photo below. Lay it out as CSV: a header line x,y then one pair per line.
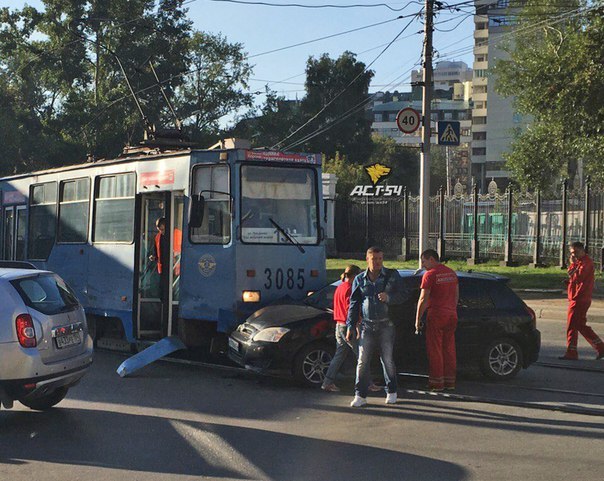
x,y
262,28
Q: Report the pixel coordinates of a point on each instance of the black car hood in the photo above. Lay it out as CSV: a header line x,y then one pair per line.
x,y
280,315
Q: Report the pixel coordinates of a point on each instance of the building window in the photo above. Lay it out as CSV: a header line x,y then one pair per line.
x,y
479,120
479,151
74,202
42,220
114,208
479,136
480,73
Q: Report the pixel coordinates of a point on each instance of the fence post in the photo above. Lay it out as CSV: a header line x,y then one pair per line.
x,y
586,219
563,264
366,222
536,252
507,259
475,254
405,241
441,225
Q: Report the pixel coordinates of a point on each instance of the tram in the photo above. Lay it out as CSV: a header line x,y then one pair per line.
x,y
242,228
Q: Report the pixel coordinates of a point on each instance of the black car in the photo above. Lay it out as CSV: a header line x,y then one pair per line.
x,y
496,331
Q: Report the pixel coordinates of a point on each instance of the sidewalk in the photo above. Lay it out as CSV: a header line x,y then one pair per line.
x,y
553,305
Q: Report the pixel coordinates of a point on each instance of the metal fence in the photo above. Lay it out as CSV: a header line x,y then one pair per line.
x,y
512,227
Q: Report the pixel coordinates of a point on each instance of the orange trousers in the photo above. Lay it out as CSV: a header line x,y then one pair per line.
x,y
440,345
577,323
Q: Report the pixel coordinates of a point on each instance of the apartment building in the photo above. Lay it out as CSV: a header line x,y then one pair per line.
x,y
493,116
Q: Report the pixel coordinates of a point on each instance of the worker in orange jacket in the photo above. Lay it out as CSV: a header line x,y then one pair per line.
x,y
580,287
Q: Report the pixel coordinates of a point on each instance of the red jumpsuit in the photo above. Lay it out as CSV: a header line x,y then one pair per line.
x,y
441,325
580,287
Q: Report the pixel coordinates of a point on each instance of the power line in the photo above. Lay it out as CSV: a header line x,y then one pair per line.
x,y
345,88
319,6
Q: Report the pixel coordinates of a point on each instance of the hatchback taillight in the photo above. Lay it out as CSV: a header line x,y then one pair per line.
x,y
533,316
25,330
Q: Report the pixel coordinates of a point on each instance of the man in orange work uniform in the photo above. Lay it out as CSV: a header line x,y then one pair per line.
x,y
580,288
439,296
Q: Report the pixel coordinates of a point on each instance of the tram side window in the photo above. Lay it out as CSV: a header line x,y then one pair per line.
x,y
212,181
114,208
42,220
73,210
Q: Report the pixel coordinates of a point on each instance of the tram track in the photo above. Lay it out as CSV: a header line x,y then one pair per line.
x,y
554,365
453,396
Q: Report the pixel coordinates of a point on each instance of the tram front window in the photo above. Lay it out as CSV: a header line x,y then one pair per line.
x,y
284,195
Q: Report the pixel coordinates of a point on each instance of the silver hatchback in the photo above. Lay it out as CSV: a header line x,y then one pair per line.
x,y
44,343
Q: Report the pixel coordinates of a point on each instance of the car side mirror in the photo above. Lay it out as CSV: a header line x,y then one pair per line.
x,y
196,210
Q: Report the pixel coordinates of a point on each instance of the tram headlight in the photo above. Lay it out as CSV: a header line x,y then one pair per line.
x,y
271,334
251,296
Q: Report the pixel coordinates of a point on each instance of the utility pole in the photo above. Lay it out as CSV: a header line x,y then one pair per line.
x,y
424,187
448,161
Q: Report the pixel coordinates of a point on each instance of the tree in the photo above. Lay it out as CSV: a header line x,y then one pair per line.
x,y
556,73
404,161
349,174
335,93
67,91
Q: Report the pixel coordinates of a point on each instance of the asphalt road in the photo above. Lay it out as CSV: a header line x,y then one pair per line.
x,y
178,422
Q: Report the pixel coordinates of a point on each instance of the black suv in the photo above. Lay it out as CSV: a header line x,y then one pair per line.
x,y
496,331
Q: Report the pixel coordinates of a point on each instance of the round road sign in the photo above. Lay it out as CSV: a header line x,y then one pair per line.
x,y
407,120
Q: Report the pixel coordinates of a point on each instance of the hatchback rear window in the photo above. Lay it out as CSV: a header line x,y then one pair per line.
x,y
46,293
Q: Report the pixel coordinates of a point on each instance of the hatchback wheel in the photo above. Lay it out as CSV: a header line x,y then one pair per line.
x,y
502,359
311,364
47,401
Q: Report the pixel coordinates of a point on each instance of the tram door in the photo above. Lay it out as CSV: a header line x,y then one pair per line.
x,y
14,223
159,264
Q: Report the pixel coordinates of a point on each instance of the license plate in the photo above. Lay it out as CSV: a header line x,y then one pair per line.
x,y
233,344
68,340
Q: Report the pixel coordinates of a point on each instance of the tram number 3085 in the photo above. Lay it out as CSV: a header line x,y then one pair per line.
x,y
284,278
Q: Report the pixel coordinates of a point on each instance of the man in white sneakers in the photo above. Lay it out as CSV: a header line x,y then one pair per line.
x,y
372,292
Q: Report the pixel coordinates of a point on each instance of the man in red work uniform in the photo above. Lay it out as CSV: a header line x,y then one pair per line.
x,y
439,296
580,287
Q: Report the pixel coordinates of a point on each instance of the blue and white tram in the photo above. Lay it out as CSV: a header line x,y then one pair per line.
x,y
244,228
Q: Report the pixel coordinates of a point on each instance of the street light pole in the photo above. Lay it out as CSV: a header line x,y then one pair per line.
x,y
424,188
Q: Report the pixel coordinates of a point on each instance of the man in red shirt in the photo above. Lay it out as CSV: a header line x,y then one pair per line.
x,y
439,296
580,288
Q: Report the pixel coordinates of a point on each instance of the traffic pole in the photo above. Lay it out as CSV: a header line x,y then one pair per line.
x,y
424,187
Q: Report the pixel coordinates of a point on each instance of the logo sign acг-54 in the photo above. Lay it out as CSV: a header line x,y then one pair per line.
x,y
377,173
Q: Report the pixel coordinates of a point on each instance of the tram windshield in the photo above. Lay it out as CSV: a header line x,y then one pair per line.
x,y
285,196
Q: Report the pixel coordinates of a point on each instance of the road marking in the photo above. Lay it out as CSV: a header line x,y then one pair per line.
x,y
217,452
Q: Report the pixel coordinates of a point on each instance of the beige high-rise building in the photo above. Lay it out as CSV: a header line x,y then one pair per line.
x,y
493,116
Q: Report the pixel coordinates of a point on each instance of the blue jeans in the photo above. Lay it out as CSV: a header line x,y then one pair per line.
x,y
342,349
377,336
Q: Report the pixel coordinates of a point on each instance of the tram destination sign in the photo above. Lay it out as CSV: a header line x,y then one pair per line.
x,y
274,156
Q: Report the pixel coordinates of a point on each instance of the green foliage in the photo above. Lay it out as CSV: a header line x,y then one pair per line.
x,y
349,174
556,73
404,161
345,83
64,93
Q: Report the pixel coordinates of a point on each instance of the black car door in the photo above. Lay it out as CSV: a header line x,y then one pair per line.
x,y
409,348
477,317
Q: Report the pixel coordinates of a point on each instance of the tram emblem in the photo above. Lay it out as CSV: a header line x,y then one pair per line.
x,y
207,265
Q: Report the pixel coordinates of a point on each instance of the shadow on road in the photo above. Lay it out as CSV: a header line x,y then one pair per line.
x,y
163,445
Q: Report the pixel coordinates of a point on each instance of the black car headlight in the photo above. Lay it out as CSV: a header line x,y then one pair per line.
x,y
271,334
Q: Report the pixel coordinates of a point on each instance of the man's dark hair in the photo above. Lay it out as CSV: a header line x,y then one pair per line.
x,y
578,245
374,250
431,253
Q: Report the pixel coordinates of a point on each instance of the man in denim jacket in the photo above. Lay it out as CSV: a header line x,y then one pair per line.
x,y
372,291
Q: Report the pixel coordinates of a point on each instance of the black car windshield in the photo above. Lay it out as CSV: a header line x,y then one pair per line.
x,y
322,299
46,293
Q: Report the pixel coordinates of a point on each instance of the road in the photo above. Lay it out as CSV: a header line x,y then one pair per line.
x,y
183,422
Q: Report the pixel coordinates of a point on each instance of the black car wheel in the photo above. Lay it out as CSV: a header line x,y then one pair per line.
x,y
311,364
502,359
47,401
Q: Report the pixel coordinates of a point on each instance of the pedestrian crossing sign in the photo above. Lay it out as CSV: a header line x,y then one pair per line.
x,y
448,133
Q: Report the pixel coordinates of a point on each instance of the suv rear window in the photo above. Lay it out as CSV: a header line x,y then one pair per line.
x,y
46,293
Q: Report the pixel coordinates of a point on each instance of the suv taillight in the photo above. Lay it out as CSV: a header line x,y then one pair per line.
x,y
533,316
25,330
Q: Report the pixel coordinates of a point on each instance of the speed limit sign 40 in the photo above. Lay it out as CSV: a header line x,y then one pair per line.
x,y
407,120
